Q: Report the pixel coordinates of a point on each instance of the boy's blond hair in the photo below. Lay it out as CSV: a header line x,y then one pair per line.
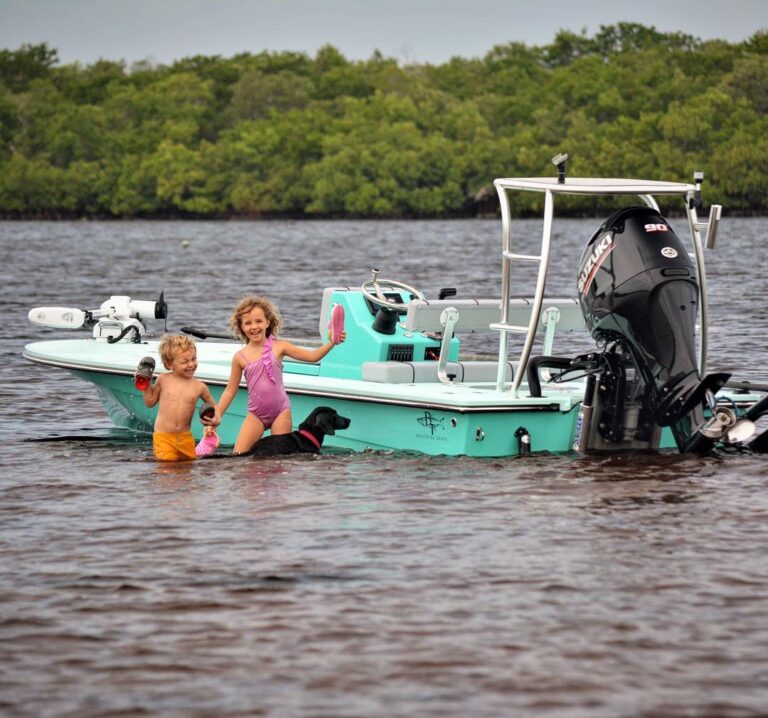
x,y
172,343
245,305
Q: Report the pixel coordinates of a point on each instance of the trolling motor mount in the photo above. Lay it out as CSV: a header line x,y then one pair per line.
x,y
119,318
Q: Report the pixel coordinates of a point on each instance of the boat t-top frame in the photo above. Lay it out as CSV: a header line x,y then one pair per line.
x,y
550,186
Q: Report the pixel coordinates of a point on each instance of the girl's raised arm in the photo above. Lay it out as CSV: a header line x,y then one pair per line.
x,y
284,348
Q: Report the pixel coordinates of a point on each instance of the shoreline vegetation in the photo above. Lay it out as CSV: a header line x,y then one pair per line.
x,y
283,135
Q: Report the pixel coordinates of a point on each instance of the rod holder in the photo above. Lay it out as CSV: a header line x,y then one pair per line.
x,y
559,161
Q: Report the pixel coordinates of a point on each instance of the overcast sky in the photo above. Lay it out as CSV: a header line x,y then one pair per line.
x,y
409,30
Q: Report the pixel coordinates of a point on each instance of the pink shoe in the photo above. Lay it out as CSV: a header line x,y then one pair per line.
x,y
336,325
207,445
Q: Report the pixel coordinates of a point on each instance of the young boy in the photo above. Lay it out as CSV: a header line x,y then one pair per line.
x,y
177,393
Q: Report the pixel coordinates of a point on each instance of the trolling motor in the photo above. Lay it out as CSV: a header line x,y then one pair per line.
x,y
639,295
120,318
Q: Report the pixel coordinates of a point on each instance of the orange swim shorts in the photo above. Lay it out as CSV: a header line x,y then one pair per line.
x,y
173,447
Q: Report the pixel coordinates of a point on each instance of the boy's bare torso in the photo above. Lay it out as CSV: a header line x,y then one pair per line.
x,y
179,396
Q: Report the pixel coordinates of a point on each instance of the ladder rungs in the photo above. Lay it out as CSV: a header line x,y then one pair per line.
x,y
523,257
502,327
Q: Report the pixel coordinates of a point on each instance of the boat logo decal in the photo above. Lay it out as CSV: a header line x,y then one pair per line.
x,y
656,228
431,422
669,252
599,253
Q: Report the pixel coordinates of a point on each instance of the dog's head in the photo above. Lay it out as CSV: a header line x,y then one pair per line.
x,y
325,420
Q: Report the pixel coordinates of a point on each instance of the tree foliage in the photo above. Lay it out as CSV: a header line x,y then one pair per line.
x,y
288,134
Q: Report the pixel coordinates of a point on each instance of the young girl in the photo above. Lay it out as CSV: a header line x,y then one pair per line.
x,y
257,322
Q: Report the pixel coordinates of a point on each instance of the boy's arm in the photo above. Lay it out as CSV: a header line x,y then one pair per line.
x,y
207,397
152,392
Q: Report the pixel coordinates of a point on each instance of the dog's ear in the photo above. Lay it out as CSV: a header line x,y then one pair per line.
x,y
310,421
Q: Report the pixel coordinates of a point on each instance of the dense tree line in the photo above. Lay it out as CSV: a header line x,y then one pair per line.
x,y
287,134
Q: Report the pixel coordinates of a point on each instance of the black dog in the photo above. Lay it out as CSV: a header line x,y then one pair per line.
x,y
308,439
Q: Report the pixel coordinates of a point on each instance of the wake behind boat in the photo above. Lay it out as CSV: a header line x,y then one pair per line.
x,y
403,380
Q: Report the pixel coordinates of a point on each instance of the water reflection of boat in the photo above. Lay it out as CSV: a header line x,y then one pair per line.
x,y
401,376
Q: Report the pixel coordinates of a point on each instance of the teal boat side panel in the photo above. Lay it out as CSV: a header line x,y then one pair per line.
x,y
434,432
125,406
375,426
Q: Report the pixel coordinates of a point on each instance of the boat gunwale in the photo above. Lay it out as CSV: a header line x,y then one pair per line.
x,y
550,403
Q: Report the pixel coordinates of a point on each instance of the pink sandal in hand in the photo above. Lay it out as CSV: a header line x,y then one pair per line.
x,y
207,445
336,325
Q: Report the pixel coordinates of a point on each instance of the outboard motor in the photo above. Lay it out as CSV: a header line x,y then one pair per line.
x,y
639,295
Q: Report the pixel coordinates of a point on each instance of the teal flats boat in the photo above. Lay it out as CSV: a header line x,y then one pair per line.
x,y
402,378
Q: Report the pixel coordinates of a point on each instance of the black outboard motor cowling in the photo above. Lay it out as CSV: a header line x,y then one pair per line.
x,y
638,292
637,283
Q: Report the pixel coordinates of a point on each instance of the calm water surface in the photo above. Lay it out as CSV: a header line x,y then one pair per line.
x,y
370,584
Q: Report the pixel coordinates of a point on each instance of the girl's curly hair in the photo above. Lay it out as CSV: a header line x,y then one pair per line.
x,y
245,305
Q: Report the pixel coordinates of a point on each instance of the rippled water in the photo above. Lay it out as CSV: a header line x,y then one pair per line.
x,y
360,584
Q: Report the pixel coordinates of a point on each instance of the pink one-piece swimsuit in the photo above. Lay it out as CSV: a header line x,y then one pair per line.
x,y
267,398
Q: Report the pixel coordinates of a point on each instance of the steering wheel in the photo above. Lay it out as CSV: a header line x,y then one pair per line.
x,y
373,290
